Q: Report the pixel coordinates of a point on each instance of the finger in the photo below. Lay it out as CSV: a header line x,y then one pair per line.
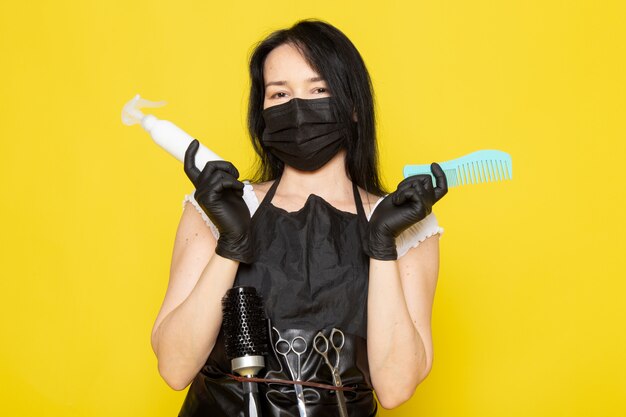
x,y
226,166
422,183
207,173
238,185
408,184
235,185
230,183
219,170
406,195
189,162
427,182
212,178
426,198
441,188
420,187
408,181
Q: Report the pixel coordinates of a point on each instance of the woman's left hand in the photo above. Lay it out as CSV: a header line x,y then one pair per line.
x,y
410,203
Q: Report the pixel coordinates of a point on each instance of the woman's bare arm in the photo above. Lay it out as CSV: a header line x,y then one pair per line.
x,y
188,323
400,301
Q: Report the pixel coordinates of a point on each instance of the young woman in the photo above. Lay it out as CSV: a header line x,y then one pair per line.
x,y
315,234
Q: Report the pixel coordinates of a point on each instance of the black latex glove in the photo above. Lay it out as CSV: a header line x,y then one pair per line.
x,y
219,193
410,203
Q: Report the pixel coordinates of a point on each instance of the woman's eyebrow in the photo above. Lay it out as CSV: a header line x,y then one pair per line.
x,y
311,80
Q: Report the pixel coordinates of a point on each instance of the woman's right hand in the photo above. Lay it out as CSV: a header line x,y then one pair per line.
x,y
219,193
409,204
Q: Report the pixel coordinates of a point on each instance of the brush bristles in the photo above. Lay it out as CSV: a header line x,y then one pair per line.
x,y
243,321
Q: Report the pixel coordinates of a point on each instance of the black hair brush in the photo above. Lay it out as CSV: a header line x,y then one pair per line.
x,y
245,334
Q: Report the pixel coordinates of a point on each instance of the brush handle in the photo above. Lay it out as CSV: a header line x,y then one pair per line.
x,y
246,339
252,406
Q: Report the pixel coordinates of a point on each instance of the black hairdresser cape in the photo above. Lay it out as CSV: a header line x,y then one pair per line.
x,y
312,273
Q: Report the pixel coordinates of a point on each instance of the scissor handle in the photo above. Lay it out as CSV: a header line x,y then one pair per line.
x,y
324,350
295,348
333,339
281,345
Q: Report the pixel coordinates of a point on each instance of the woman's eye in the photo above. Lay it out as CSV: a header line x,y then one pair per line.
x,y
278,95
321,90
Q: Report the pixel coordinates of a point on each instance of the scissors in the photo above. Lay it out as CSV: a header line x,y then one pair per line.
x,y
298,346
321,344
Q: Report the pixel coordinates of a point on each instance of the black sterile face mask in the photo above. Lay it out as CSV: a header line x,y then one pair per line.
x,y
304,134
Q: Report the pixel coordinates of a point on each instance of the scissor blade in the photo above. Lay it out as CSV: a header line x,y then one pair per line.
x,y
341,399
300,395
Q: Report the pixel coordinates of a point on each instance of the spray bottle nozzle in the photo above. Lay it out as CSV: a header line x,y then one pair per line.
x,y
130,112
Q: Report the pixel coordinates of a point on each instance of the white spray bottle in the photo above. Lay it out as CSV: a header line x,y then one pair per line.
x,y
165,133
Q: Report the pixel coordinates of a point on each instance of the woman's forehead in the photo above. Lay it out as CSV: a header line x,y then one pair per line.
x,y
286,63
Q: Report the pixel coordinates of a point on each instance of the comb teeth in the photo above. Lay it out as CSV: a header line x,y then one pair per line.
x,y
473,168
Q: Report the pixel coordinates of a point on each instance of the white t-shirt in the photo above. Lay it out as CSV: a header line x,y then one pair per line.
x,y
408,239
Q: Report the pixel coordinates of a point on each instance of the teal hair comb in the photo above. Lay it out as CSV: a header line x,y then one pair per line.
x,y
473,168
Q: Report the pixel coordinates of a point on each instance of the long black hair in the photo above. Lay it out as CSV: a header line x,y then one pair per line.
x,y
332,55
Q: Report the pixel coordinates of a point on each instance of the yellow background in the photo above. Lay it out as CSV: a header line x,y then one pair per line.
x,y
529,312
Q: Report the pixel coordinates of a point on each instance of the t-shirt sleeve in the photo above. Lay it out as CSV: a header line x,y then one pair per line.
x,y
416,234
248,196
189,198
